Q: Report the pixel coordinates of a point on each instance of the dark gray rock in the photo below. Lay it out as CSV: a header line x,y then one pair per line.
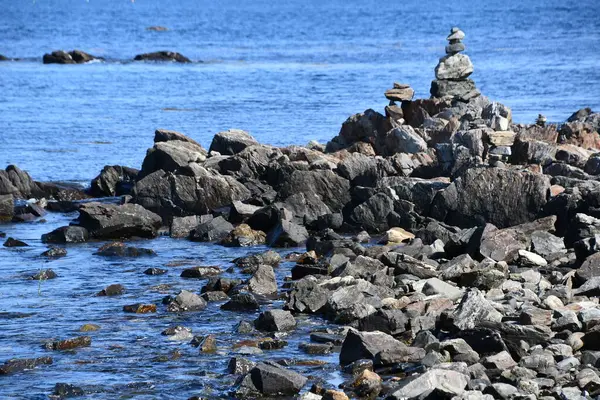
x,y
66,234
367,345
109,221
112,290
241,302
20,364
63,57
307,296
113,180
473,309
231,142
12,242
441,383
263,281
251,262
275,321
66,390
271,380
7,207
55,252
186,301
182,227
287,234
213,230
162,56
240,366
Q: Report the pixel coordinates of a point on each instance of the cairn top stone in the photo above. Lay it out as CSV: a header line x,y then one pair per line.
x,y
456,34
400,92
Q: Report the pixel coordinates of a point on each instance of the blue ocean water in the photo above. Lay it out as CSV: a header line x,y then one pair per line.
x,y
288,72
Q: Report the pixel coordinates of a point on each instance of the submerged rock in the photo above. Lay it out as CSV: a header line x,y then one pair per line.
x,y
72,57
15,365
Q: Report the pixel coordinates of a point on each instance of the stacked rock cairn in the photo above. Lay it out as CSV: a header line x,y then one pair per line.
x,y
453,70
401,92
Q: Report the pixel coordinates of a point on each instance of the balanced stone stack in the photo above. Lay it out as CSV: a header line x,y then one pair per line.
x,y
453,70
401,92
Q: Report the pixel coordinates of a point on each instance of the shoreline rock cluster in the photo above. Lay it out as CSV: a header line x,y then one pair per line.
x,y
482,278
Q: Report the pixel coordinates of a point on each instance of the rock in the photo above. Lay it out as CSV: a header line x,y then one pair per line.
x,y
359,169
72,57
139,308
65,390
263,281
334,395
119,249
287,233
316,348
252,261
457,66
113,180
275,321
272,380
66,234
400,93
7,207
186,301
231,142
55,252
11,242
112,290
546,244
43,275
200,272
20,364
208,344
157,28
110,221
434,286
172,156
372,215
480,194
462,89
162,56
69,344
241,302
330,188
213,230
529,259
239,366
404,139
182,227
473,309
89,328
397,236
367,384
446,382
307,296
155,271
501,361
244,236
367,345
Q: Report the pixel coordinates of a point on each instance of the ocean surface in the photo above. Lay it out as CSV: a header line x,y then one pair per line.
x,y
288,72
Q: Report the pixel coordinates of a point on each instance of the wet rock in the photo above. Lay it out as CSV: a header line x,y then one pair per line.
x,y
263,281
334,395
271,380
43,275
182,227
55,252
119,249
139,308
240,366
200,272
316,348
208,344
113,180
252,261
389,321
231,142
63,57
15,365
241,302
186,301
367,345
215,296
89,328
66,390
11,242
473,198
112,290
213,230
445,382
69,344
66,234
275,321
272,344
473,309
162,56
307,296
244,236
367,384
155,271
110,221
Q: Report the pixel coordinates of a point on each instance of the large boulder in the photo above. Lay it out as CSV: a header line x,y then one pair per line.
x,y
499,196
110,221
179,195
172,155
331,188
270,380
17,182
7,207
231,142
113,180
367,345
162,56
364,127
438,383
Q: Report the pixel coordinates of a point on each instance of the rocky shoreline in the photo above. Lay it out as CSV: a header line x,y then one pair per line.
x,y
456,250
